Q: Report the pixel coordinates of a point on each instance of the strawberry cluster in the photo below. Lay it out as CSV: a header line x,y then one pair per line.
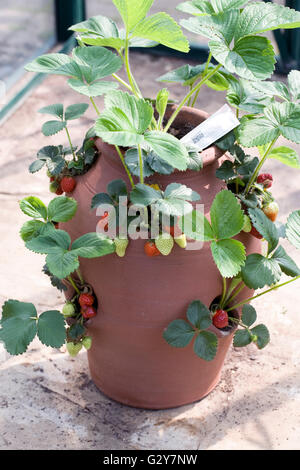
x,y
60,185
80,309
86,302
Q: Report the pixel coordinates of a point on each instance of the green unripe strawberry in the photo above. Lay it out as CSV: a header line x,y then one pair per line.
x,y
49,174
254,338
164,243
68,309
53,187
247,224
73,349
87,342
181,241
121,246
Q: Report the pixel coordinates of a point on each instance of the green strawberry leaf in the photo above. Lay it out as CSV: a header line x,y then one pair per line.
x,y
242,96
36,165
33,207
31,229
241,338
51,329
226,171
163,29
55,281
99,199
195,161
74,111
48,152
196,7
206,345
227,218
56,165
186,75
18,326
293,229
271,89
49,63
285,155
132,161
229,256
50,242
179,333
61,262
279,119
125,120
252,57
217,26
76,331
101,25
53,127
288,266
225,5
259,17
116,189
95,40
263,335
96,62
93,89
143,195
92,245
196,226
62,209
248,315
157,165
180,191
56,110
175,200
199,315
265,227
259,271
132,11
168,148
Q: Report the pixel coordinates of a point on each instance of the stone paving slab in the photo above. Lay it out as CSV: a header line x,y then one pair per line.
x,y
47,399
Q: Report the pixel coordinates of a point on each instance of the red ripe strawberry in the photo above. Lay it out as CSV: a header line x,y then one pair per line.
x,y
88,312
220,319
255,233
103,224
86,299
266,179
271,210
52,179
68,184
150,249
59,191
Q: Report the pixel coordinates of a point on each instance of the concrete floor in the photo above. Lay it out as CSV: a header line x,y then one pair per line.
x,y
47,400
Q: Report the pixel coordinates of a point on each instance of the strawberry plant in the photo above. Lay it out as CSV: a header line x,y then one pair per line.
x,y
143,133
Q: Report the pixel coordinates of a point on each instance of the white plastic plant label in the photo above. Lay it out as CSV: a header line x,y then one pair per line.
x,y
212,129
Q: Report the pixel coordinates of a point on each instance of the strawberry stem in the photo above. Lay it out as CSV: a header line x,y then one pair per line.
x,y
262,161
73,284
70,142
125,166
95,106
262,293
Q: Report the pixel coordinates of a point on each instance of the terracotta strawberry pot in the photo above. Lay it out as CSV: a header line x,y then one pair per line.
x,y
139,296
